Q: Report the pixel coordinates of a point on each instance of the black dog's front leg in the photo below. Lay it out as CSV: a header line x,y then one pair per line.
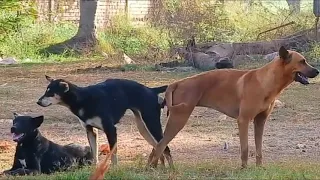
x,y
20,172
16,161
92,134
111,133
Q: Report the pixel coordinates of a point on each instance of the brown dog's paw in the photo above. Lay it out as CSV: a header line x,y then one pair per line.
x,y
261,167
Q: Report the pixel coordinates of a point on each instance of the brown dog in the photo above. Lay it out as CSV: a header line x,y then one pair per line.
x,y
241,94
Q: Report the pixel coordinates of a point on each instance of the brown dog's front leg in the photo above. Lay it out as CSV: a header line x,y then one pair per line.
x,y
259,122
243,125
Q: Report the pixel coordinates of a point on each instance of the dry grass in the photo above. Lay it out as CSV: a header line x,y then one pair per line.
x,y
200,142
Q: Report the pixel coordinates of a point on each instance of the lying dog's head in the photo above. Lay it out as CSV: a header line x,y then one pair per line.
x,y
54,92
24,127
297,65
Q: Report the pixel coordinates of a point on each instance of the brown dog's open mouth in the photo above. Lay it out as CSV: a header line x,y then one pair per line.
x,y
301,78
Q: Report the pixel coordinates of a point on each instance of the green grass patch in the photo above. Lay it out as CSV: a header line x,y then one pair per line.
x,y
138,67
214,170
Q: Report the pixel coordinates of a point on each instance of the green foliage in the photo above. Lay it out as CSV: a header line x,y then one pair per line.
x,y
314,53
247,26
26,43
203,18
14,14
229,22
134,40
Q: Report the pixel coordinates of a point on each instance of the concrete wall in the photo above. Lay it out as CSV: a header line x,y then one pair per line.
x,y
69,10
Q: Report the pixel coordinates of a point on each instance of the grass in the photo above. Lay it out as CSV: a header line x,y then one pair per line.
x,y
212,170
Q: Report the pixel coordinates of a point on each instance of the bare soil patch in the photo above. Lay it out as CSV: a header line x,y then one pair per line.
x,y
291,133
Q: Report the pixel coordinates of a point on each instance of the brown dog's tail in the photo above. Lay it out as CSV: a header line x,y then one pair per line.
x,y
100,170
168,96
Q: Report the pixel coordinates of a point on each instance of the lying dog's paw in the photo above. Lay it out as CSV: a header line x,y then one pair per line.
x,y
17,172
6,173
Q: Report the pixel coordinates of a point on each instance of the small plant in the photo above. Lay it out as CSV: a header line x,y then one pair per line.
x,y
314,53
137,67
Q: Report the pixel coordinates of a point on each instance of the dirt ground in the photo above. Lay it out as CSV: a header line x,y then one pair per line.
x,y
291,133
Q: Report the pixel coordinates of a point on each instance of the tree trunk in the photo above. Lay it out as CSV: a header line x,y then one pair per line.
x,y
87,28
85,39
294,6
247,5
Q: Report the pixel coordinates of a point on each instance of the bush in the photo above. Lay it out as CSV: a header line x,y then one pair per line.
x,y
314,53
228,22
26,43
135,40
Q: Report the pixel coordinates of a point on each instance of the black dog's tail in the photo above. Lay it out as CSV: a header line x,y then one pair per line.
x,y
160,89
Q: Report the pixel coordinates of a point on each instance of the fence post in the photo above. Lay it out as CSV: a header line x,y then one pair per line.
x,y
316,12
126,8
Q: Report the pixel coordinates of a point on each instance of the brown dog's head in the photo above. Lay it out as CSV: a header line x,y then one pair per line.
x,y
297,65
55,90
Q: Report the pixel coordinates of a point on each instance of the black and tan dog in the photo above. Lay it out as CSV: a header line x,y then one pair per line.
x,y
102,105
245,95
36,154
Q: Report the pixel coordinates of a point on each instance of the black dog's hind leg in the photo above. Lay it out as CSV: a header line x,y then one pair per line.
x,y
145,132
111,133
92,135
152,121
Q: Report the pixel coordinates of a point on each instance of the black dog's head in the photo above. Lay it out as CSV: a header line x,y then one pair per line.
x,y
24,127
54,92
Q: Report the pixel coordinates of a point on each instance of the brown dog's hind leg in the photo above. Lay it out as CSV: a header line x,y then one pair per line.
x,y
243,125
178,117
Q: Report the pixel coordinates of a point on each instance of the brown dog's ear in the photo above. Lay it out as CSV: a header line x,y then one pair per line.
x,y
284,54
50,79
65,86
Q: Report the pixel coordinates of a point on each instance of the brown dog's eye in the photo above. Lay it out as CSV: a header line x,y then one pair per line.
x,y
303,61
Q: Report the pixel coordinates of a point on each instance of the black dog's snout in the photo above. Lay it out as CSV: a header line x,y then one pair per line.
x,y
13,129
39,102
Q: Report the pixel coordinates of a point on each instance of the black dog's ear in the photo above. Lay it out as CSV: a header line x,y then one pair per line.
x,y
15,115
65,86
284,54
50,79
37,121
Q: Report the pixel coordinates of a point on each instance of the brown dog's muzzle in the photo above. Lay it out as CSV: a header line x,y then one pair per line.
x,y
309,72
312,73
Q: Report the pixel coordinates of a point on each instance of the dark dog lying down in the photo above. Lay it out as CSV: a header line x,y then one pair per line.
x,y
36,154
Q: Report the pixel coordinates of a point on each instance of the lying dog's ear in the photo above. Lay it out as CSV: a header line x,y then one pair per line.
x,y
37,121
65,86
50,79
284,54
15,115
